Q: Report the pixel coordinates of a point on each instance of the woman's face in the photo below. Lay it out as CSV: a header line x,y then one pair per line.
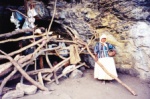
x,y
103,40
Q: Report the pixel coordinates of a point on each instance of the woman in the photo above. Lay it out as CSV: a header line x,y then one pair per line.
x,y
101,53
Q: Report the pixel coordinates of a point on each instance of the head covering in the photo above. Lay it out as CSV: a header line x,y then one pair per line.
x,y
101,37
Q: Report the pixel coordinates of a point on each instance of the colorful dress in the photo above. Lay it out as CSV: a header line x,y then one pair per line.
x,y
105,60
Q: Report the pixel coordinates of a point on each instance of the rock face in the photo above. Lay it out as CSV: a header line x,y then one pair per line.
x,y
140,34
13,94
27,89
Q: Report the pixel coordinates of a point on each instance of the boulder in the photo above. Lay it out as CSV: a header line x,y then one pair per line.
x,y
13,94
27,89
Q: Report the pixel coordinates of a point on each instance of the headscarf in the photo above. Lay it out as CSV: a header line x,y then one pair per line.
x,y
101,37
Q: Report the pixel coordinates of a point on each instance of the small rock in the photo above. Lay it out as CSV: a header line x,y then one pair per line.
x,y
13,94
28,89
76,74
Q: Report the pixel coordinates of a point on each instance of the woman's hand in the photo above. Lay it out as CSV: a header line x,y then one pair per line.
x,y
96,58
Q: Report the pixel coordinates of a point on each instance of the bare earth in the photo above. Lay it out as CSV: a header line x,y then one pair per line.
x,y
89,88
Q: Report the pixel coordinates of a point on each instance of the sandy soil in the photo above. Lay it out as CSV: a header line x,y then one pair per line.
x,y
89,88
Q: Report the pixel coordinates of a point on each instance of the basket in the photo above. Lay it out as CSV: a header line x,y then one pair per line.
x,y
111,53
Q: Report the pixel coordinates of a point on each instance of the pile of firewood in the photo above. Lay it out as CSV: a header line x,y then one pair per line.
x,y
23,61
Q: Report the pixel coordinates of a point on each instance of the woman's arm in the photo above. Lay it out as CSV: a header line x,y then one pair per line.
x,y
96,50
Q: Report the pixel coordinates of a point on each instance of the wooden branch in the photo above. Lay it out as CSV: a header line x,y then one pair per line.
x,y
41,51
26,47
52,16
6,67
34,72
41,46
59,55
56,67
6,79
65,41
18,12
24,38
50,65
69,33
24,73
15,32
73,31
40,79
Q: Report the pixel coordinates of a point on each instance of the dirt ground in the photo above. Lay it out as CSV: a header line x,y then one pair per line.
x,y
89,88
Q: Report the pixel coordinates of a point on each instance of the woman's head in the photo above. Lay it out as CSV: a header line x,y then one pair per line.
x,y
103,38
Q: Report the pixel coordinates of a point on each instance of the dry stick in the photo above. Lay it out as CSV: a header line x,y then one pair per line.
x,y
34,53
31,73
59,55
49,63
66,41
18,12
47,59
55,76
69,33
41,51
76,35
67,72
52,16
24,48
7,67
23,38
59,65
6,79
15,32
106,71
24,73
27,64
